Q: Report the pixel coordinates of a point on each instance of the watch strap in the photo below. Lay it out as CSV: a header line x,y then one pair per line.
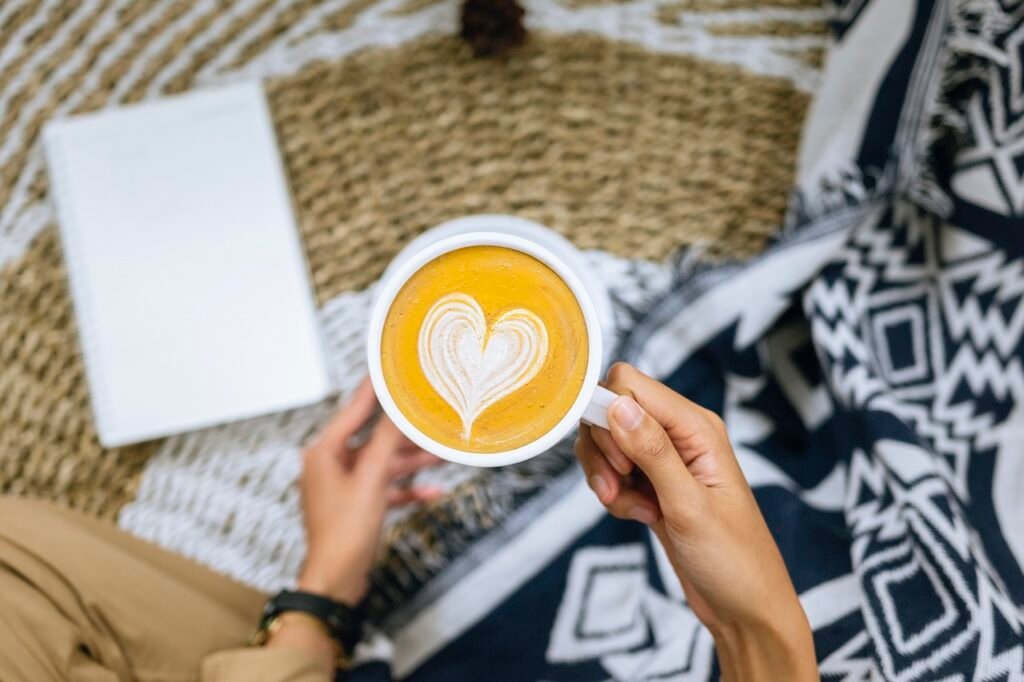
x,y
344,623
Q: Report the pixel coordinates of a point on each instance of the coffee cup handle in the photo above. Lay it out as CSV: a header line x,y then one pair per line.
x,y
596,413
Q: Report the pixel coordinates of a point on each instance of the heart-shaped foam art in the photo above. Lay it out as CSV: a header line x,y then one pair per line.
x,y
473,367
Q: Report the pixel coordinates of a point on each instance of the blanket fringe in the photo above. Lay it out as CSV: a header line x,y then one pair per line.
x,y
936,127
966,55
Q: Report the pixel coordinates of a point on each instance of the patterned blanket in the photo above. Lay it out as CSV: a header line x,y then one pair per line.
x,y
868,367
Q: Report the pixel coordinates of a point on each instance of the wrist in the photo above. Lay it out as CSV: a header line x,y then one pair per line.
x,y
348,592
345,586
777,647
301,632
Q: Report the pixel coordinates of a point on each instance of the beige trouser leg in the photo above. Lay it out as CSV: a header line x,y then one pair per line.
x,y
80,600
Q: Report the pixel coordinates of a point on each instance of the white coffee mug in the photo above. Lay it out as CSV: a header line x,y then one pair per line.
x,y
590,406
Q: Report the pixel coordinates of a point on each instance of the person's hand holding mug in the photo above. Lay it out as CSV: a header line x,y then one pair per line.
x,y
667,462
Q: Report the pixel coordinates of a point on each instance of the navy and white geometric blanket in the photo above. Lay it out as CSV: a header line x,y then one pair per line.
x,y
869,368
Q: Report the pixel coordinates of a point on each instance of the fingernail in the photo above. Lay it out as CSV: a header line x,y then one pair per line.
x,y
644,515
600,487
619,463
627,413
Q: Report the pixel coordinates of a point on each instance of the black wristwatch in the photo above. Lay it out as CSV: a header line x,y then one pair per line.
x,y
342,623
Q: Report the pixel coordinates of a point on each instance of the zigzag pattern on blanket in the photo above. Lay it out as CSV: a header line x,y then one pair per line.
x,y
936,398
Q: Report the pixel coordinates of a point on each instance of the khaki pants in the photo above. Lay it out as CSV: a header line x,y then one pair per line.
x,y
80,600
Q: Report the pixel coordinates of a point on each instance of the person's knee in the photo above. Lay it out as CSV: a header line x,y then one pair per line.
x,y
21,515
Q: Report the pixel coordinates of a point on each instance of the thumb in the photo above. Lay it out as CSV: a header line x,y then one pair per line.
x,y
643,440
374,461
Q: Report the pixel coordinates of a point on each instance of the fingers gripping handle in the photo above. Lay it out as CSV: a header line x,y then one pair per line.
x,y
596,413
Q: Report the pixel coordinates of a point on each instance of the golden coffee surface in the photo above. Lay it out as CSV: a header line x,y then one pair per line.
x,y
484,349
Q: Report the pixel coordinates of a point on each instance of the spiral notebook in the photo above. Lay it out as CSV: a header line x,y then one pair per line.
x,y
190,286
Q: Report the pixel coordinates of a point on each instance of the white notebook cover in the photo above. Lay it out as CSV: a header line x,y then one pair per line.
x,y
189,282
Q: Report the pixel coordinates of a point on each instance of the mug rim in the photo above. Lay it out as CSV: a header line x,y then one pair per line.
x,y
397,280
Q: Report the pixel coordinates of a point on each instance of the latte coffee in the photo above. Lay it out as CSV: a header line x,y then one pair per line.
x,y
484,349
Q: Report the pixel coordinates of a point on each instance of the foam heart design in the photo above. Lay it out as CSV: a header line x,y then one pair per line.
x,y
473,367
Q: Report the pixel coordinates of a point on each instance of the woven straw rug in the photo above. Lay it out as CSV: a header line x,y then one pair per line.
x,y
633,128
